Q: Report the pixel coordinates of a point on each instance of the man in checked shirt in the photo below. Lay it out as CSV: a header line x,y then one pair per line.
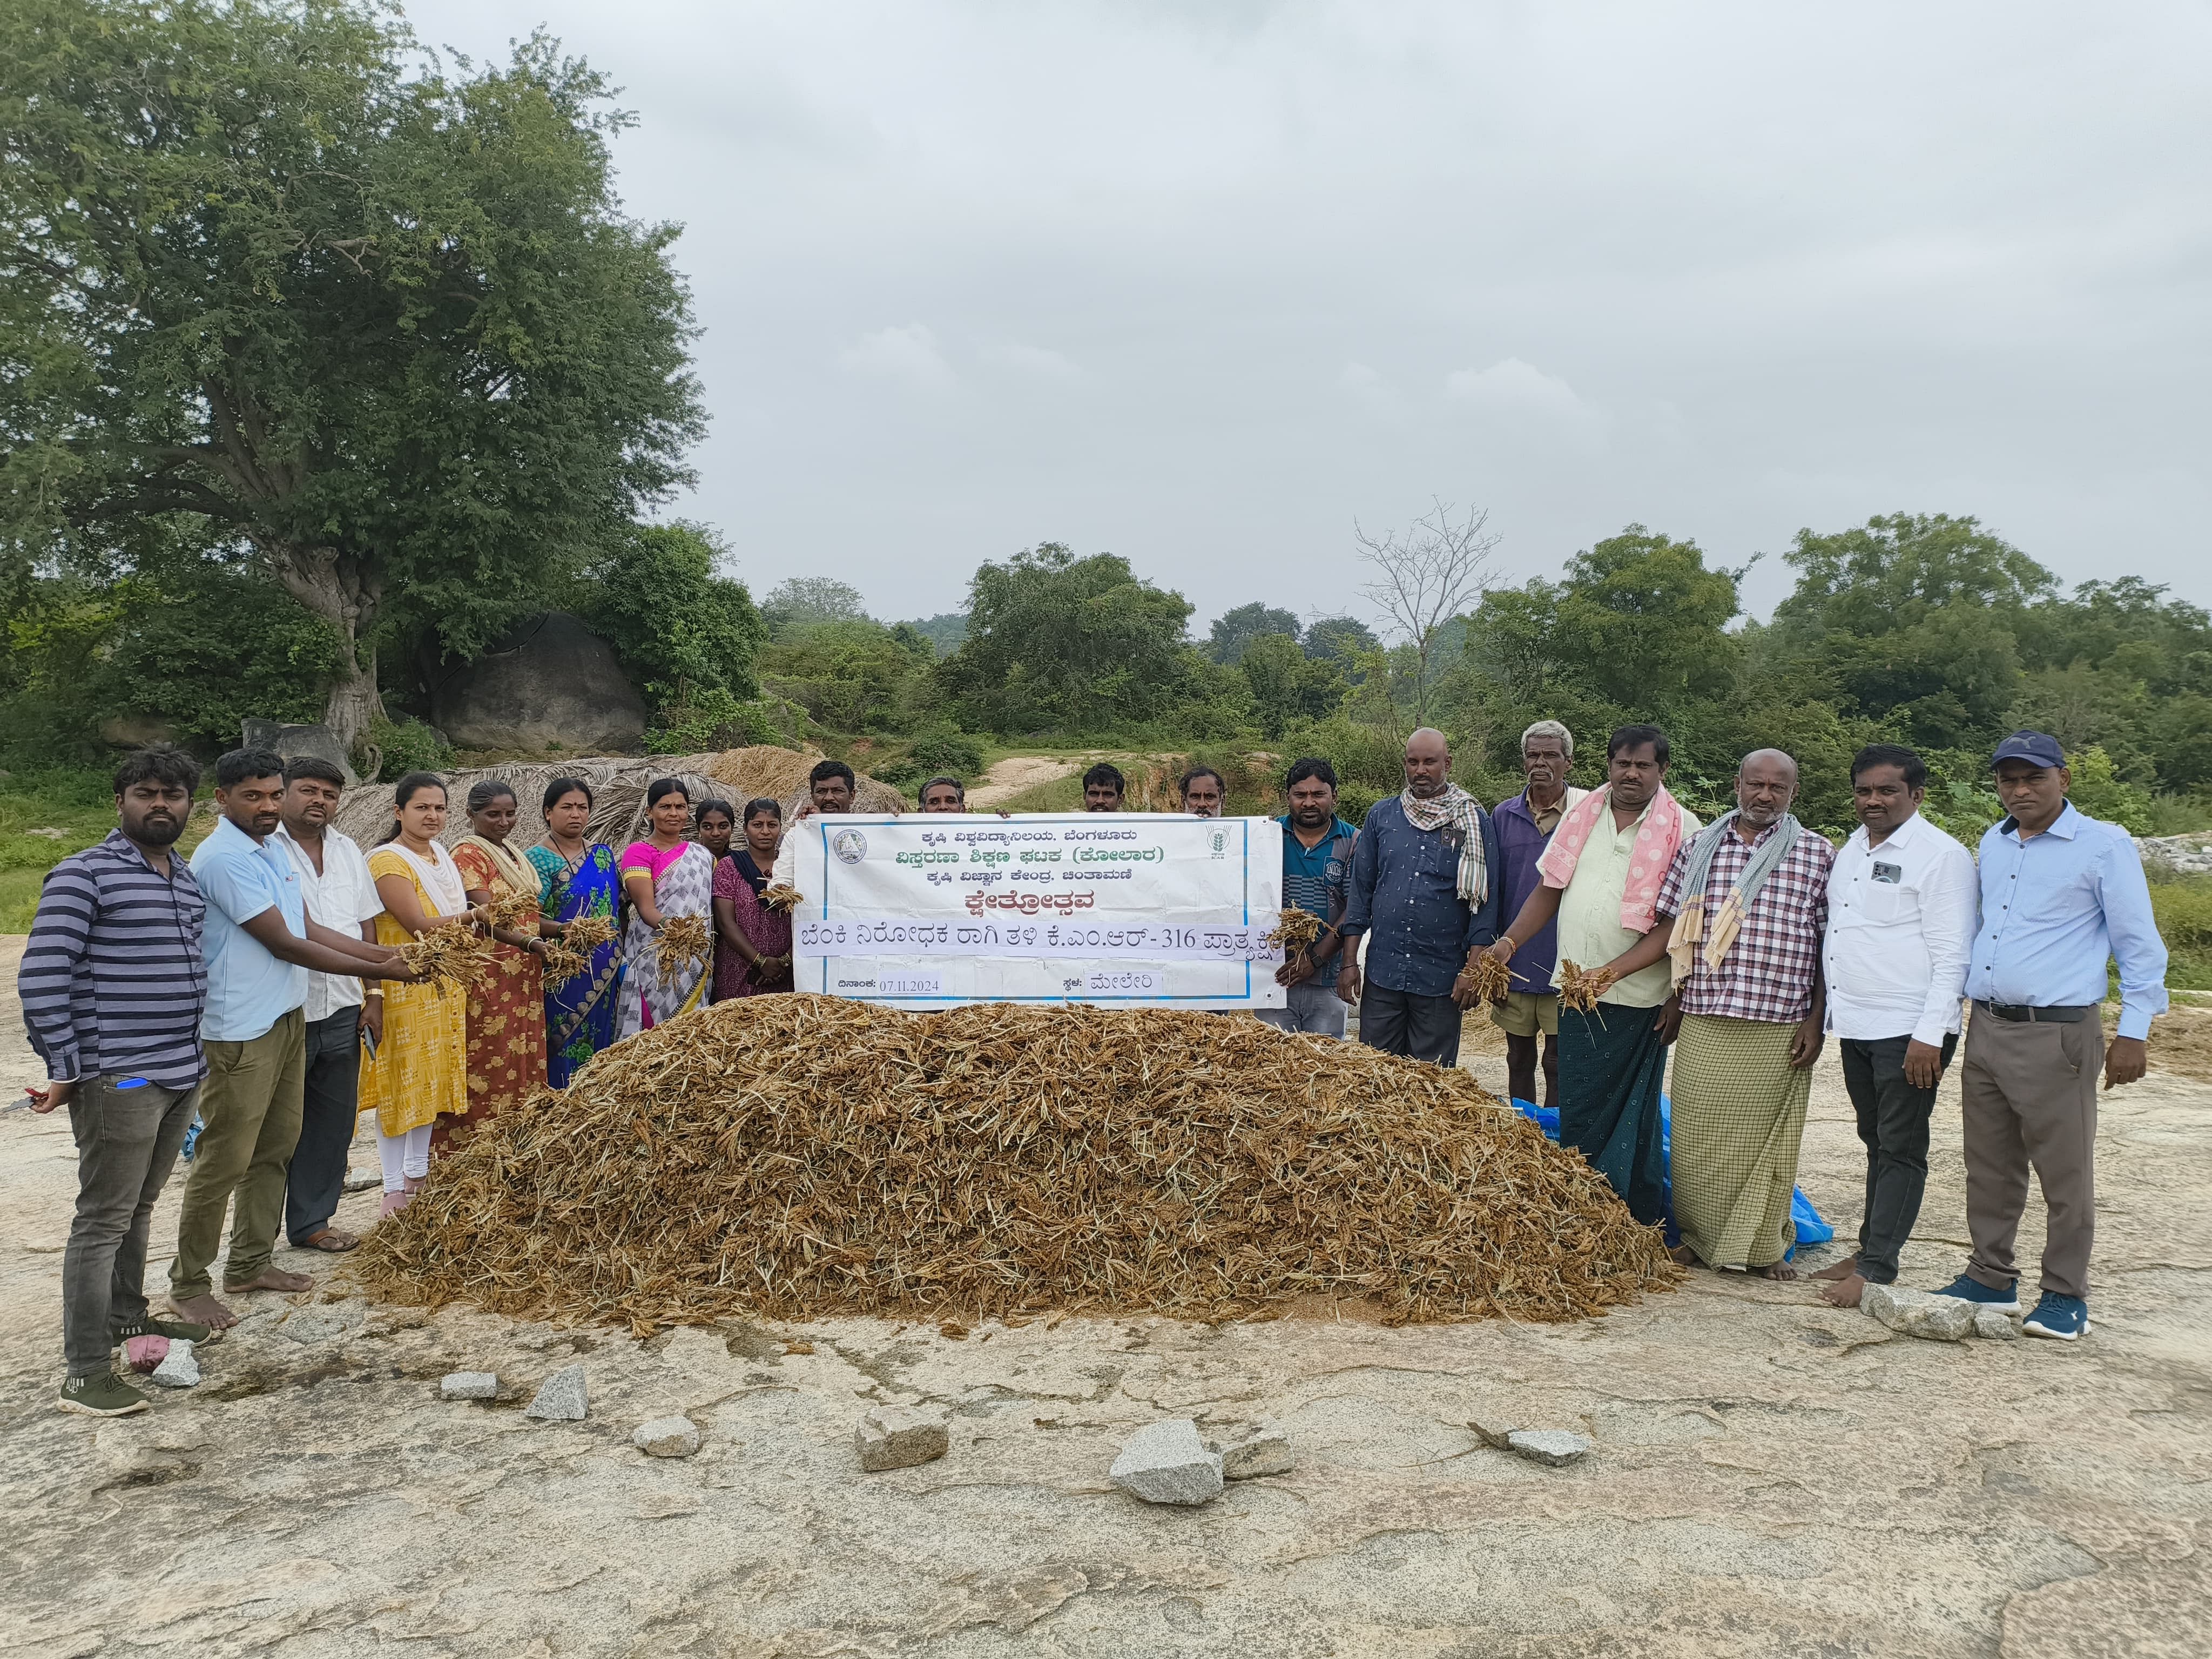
x,y
1741,913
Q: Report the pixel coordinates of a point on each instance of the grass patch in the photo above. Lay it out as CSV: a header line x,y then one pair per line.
x,y
2183,905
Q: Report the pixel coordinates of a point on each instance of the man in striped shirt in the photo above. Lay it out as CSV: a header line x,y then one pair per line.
x,y
112,985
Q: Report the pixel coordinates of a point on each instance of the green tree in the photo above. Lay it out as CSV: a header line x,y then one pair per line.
x,y
852,676
680,629
387,334
1233,630
944,631
1288,687
1912,618
801,601
1345,640
1079,645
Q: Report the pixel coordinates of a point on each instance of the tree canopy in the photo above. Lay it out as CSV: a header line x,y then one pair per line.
x,y
1056,641
379,335
1235,630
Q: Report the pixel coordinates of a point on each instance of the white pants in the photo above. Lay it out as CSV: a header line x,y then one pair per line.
x,y
406,1157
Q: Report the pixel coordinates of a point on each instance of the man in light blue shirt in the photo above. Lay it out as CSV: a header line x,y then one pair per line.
x,y
2061,894
260,946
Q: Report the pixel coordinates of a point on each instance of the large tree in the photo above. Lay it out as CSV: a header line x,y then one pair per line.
x,y
381,327
1076,644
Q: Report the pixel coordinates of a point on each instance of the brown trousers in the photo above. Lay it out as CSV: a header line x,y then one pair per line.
x,y
2029,1099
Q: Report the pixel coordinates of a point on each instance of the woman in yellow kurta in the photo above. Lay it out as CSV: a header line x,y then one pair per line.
x,y
420,1068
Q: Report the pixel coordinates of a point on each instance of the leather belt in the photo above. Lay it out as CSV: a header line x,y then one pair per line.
x,y
2020,1014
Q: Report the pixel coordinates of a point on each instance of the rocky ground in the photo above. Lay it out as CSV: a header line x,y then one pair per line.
x,y
1769,1476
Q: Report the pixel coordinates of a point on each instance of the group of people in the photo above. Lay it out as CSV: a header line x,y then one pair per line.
x,y
1623,927
263,991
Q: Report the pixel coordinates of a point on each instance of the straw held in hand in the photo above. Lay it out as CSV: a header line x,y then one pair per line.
x,y
682,940
1487,979
781,897
1296,931
452,954
1579,986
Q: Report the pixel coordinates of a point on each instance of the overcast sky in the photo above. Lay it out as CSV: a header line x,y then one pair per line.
x,y
1202,283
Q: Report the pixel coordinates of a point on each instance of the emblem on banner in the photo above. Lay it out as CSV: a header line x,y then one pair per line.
x,y
850,845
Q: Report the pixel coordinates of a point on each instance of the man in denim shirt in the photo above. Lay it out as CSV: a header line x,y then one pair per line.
x,y
1422,890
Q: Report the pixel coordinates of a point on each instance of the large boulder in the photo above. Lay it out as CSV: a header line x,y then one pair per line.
x,y
549,681
294,741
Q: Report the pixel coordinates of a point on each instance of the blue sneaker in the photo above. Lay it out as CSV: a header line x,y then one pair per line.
x,y
2064,1317
1969,1289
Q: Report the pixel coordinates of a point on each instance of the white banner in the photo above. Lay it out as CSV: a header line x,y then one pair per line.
x,y
931,909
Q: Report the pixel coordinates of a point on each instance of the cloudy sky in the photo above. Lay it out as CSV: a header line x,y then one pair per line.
x,y
1203,283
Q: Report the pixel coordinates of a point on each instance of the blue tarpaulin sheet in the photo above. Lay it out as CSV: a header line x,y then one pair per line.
x,y
1811,1228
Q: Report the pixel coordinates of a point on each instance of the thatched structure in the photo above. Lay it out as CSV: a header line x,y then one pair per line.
x,y
618,786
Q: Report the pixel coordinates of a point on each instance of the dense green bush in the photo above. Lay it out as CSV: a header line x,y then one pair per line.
x,y
852,676
403,746
188,656
703,719
682,630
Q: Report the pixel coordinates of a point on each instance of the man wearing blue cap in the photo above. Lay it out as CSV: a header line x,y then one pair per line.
x,y
2061,893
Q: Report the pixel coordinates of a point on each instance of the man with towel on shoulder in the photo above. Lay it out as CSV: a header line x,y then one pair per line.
x,y
1421,890
1600,877
1741,913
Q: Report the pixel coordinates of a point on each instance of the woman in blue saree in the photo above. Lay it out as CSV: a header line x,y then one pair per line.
x,y
577,878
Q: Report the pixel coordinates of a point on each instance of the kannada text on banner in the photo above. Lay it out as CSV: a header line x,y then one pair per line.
x,y
935,910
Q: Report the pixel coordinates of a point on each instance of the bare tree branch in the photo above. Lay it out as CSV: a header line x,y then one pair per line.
x,y
1427,575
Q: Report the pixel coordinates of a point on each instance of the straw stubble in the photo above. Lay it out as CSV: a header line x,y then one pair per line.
x,y
799,1156
452,954
681,941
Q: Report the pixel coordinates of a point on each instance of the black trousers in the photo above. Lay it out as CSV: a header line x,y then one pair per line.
x,y
316,1181
1893,1123
1400,1023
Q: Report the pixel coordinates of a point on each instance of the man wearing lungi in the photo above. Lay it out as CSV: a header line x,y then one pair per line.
x,y
1600,878
1742,913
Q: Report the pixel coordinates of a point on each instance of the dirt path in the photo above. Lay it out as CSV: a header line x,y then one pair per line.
x,y
1007,778
1770,1476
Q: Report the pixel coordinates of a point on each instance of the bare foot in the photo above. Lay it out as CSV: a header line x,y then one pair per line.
x,y
1843,1293
204,1311
272,1279
1847,1268
1683,1255
1775,1270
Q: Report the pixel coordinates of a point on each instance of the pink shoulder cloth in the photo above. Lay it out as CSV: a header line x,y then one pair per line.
x,y
1656,839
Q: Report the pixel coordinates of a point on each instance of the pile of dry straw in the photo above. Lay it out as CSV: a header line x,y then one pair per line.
x,y
797,1156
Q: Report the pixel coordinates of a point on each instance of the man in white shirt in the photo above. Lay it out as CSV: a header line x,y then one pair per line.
x,y
341,894
1901,912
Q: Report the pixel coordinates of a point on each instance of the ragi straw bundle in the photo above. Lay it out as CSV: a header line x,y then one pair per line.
x,y
1490,980
563,961
781,896
1579,986
800,1155
587,933
452,954
1296,931
681,941
517,912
